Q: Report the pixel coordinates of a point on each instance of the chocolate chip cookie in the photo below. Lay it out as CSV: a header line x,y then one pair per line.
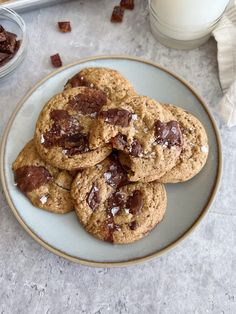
x,y
146,134
195,147
45,186
111,82
62,129
113,209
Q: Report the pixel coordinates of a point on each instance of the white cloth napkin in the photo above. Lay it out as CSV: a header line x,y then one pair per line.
x,y
225,35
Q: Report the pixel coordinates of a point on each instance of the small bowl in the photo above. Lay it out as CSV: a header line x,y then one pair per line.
x,y
12,22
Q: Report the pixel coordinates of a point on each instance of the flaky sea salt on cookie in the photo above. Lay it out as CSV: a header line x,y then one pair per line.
x,y
113,209
146,135
195,147
62,130
45,186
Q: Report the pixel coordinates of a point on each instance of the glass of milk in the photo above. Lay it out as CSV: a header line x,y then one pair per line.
x,y
184,24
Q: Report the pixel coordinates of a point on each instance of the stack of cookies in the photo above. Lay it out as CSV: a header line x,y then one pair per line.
x,y
104,151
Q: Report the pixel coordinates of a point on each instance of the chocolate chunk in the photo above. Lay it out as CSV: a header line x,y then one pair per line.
x,y
110,227
116,176
115,203
136,148
3,35
58,115
4,56
78,80
29,178
135,202
118,117
93,198
56,60
63,127
133,225
127,4
76,144
119,142
89,102
8,45
168,134
64,27
117,14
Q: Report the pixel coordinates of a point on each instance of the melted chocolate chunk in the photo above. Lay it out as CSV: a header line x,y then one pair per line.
x,y
117,14
116,176
63,127
93,198
168,134
90,102
78,80
133,225
115,203
29,178
136,148
58,115
127,4
76,144
119,142
135,202
118,117
56,60
64,27
110,227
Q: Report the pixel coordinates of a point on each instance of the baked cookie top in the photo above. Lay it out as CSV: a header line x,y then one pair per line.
x,y
195,147
111,82
63,127
144,132
45,186
111,208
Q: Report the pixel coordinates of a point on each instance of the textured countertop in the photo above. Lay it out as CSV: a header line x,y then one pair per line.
x,y
199,275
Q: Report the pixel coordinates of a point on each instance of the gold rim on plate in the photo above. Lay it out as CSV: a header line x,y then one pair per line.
x,y
131,261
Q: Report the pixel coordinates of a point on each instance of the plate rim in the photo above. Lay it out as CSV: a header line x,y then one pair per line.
x,y
131,261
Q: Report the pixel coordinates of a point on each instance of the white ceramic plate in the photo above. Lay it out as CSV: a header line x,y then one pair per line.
x,y
187,202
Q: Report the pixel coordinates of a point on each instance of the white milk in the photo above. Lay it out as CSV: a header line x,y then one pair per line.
x,y
185,23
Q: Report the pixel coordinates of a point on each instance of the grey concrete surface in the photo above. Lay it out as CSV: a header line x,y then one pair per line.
x,y
199,276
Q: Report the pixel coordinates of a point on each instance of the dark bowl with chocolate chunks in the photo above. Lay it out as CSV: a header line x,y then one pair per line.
x,y
13,41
